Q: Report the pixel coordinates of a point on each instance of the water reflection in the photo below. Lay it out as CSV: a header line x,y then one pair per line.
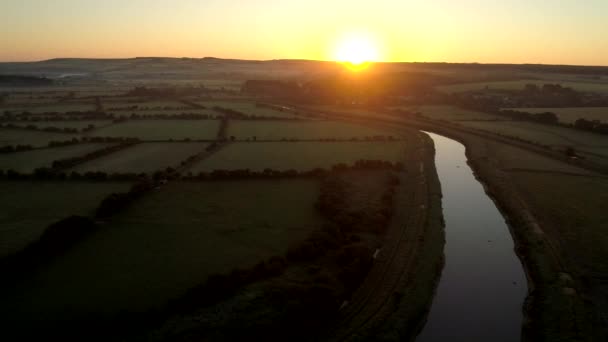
x,y
483,285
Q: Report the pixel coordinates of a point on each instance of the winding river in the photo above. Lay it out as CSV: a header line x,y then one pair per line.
x,y
483,285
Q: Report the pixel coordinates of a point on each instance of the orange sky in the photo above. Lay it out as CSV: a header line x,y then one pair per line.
x,y
516,31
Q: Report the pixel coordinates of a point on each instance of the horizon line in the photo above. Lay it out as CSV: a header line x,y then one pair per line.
x,y
295,60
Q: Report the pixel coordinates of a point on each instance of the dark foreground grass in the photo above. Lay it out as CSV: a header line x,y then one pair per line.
x,y
166,243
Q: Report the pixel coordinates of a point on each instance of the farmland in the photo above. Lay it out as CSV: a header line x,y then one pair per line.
x,y
133,263
145,157
161,130
520,84
248,108
451,113
27,137
273,130
570,115
27,161
77,124
29,207
301,156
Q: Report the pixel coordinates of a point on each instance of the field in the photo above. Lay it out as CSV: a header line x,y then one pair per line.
x,y
520,84
27,161
161,130
77,124
51,108
570,115
29,207
27,137
141,158
248,108
558,137
276,130
166,243
451,113
302,156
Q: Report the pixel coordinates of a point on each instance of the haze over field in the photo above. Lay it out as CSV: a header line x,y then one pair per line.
x,y
520,31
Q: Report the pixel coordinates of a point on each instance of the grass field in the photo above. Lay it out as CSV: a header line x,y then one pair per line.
x,y
29,207
167,242
248,108
301,156
27,161
520,84
451,113
570,115
27,137
78,124
161,129
577,220
51,107
300,130
146,157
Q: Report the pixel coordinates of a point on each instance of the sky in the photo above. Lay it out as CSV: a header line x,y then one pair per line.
x,y
514,31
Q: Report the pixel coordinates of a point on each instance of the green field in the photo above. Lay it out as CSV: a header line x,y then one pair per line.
x,y
275,130
145,157
167,242
451,113
589,145
51,107
161,129
570,115
28,137
302,156
29,207
520,84
78,124
248,108
27,161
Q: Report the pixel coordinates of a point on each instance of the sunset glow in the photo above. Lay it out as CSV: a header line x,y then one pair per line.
x,y
357,50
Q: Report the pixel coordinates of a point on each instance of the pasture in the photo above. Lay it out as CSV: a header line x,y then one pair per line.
x,y
591,87
77,124
51,108
143,158
570,115
9,136
161,130
451,113
248,108
301,156
28,161
29,207
167,242
276,130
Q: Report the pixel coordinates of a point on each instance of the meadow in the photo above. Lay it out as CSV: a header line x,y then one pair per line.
x,y
520,84
143,158
451,113
248,108
276,130
570,115
301,156
51,107
77,124
167,242
28,161
29,207
29,137
161,130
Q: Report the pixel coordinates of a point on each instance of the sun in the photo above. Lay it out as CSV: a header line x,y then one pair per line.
x,y
356,50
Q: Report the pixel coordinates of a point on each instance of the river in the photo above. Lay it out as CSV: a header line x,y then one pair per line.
x,y
482,288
